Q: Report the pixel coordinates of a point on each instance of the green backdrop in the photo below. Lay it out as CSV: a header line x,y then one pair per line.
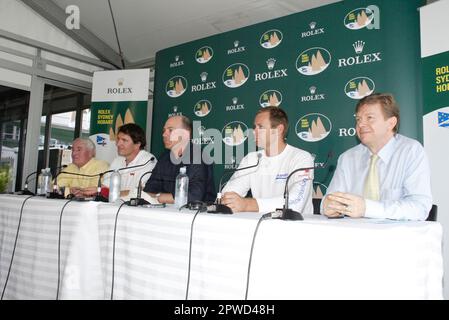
x,y
314,64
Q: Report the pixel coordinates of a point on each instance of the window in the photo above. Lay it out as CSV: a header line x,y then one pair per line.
x,y
13,117
65,116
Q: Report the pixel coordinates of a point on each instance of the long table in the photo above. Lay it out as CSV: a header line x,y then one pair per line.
x,y
316,258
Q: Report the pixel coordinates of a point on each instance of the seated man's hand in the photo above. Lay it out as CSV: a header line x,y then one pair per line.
x,y
330,208
89,191
77,192
163,197
125,193
341,203
237,203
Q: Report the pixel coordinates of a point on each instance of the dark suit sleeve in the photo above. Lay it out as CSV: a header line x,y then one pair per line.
x,y
154,184
197,174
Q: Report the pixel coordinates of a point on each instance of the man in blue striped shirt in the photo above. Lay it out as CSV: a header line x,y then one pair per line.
x,y
387,175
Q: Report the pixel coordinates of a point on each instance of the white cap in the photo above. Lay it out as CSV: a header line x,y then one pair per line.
x,y
183,169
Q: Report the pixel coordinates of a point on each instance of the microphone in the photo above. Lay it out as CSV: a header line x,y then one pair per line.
x,y
138,201
218,207
285,213
55,194
99,197
25,190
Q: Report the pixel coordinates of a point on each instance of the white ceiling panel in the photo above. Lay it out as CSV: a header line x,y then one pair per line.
x,y
147,26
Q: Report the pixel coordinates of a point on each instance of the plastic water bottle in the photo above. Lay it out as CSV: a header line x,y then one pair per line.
x,y
181,188
114,186
44,182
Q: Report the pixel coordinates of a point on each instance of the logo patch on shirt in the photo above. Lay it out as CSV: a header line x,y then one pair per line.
x,y
443,119
284,176
281,176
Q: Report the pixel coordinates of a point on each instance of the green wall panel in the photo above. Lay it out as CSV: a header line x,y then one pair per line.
x,y
378,53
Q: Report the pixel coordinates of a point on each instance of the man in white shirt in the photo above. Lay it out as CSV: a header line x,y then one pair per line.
x,y
267,180
387,175
131,142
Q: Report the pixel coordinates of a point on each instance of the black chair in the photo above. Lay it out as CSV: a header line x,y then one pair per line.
x,y
316,205
433,213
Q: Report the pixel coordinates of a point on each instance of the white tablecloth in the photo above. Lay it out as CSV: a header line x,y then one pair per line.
x,y
312,259
34,272
347,259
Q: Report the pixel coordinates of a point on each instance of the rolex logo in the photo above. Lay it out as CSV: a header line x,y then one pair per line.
x,y
314,96
312,90
313,30
270,63
235,106
176,112
270,74
177,62
358,46
204,85
119,89
236,48
360,57
203,76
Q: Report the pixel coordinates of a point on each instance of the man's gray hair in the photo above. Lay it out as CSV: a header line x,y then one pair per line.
x,y
87,142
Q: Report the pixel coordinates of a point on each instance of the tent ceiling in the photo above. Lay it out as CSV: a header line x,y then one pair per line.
x,y
147,26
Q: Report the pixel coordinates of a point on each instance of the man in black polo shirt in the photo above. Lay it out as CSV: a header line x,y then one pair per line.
x,y
176,136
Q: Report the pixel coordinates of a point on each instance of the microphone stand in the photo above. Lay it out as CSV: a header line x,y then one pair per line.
x,y
138,201
101,198
218,207
285,213
73,174
55,194
25,190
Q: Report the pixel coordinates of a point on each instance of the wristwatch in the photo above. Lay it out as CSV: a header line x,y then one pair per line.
x,y
157,195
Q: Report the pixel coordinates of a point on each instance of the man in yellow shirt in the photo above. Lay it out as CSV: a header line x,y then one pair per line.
x,y
83,162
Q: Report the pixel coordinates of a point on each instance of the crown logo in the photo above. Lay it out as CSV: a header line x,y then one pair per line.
x,y
358,46
312,89
312,25
235,100
120,81
175,108
270,63
236,43
203,76
176,58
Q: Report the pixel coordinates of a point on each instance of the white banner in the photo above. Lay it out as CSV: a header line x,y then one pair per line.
x,y
435,55
118,97
121,85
